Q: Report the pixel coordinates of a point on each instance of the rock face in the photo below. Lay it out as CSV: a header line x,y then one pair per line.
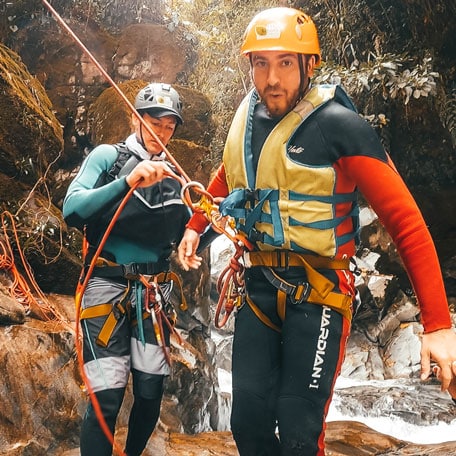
x,y
55,107
43,400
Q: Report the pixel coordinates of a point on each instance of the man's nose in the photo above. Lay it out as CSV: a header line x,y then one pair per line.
x,y
273,77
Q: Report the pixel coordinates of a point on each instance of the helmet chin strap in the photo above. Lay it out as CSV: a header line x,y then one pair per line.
x,y
304,80
141,138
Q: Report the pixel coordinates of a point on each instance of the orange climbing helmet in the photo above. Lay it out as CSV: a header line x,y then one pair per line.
x,y
282,29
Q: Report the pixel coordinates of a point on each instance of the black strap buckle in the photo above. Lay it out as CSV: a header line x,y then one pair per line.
x,y
130,271
297,293
282,259
251,195
300,293
255,236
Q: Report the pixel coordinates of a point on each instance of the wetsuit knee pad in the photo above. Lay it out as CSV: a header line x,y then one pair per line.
x,y
253,422
253,426
147,386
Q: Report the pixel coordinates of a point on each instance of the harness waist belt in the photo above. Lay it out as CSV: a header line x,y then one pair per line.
x,y
131,270
286,258
319,288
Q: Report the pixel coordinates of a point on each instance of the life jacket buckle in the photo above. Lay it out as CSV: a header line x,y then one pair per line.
x,y
255,236
251,195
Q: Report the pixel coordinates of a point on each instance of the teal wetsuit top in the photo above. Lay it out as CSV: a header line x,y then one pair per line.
x,y
149,226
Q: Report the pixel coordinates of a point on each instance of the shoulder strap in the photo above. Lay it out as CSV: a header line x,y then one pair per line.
x,y
123,155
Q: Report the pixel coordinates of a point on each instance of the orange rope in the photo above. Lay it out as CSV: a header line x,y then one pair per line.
x,y
80,290
31,298
83,281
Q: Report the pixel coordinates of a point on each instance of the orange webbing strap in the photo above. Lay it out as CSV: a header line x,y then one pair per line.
x,y
113,311
321,287
264,318
281,304
102,310
339,302
285,258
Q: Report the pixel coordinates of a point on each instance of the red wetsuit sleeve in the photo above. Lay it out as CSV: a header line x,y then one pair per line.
x,y
391,200
217,188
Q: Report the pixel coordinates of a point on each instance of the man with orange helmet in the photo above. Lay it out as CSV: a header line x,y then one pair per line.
x,y
295,158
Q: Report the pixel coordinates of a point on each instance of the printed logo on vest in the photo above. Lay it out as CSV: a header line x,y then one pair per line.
x,y
295,150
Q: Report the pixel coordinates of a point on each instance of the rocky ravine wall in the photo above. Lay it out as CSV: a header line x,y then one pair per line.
x,y
42,398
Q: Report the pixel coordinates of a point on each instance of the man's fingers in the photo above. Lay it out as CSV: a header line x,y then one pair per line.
x,y
453,368
446,375
425,365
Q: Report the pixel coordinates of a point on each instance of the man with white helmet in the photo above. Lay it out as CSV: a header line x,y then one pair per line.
x,y
120,334
294,160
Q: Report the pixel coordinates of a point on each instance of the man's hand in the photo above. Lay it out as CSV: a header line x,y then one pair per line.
x,y
440,346
148,173
187,250
452,388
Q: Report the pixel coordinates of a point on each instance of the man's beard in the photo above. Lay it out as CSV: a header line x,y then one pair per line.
x,y
279,107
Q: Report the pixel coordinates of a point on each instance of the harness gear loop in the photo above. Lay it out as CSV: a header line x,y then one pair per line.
x,y
154,307
230,286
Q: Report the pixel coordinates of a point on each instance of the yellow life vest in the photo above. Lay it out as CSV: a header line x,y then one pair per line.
x,y
285,204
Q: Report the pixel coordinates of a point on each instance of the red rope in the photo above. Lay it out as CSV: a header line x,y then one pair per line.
x,y
24,290
80,290
60,21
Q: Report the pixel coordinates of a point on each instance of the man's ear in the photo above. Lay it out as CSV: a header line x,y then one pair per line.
x,y
310,65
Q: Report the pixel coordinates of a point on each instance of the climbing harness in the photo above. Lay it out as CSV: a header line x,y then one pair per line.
x,y
317,289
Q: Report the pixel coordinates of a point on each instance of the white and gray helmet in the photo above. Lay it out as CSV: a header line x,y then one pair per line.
x,y
158,100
